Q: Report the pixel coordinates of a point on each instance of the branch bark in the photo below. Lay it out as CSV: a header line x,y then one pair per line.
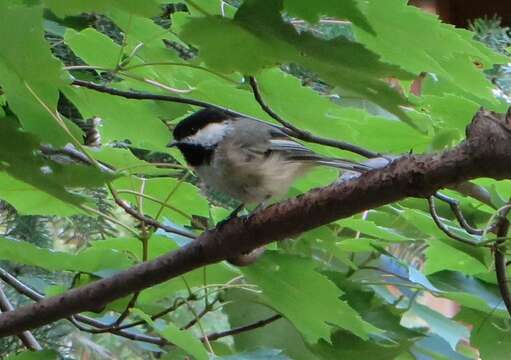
x,y
485,153
25,337
502,230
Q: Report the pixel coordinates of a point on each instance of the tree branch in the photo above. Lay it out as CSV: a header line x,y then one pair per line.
x,y
129,210
36,296
241,329
137,95
288,128
455,208
293,131
486,153
25,337
502,229
441,225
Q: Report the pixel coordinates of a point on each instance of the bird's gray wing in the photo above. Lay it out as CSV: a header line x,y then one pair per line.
x,y
261,139
294,151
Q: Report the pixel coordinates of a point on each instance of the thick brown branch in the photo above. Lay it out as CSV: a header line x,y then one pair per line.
x,y
25,337
486,153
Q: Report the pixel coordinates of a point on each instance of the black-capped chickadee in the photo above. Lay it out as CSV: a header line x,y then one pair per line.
x,y
247,159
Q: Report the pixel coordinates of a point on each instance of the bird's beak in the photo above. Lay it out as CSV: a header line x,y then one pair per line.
x,y
172,143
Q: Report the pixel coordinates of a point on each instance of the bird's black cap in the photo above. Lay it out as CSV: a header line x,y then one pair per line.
x,y
198,120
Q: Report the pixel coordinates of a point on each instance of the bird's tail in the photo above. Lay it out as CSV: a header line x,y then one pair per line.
x,y
344,164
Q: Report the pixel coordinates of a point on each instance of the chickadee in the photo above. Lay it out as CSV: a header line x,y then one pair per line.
x,y
247,159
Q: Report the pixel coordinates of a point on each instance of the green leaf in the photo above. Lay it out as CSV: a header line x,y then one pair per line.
x,y
489,335
451,331
93,47
258,38
185,197
358,245
441,256
30,200
27,68
183,339
132,120
20,159
308,299
370,228
150,299
450,111
443,51
157,245
436,348
35,355
470,292
312,11
123,160
263,354
346,346
279,334
324,117
88,260
147,8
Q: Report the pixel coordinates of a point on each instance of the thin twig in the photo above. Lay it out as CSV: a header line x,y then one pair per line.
x,y
455,208
77,155
109,218
148,96
207,309
302,135
502,228
129,210
177,303
441,225
75,319
305,135
204,337
157,84
26,336
74,154
36,296
171,193
168,63
241,329
116,324
164,204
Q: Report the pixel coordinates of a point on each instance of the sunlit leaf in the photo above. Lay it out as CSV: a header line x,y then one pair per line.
x,y
308,299
184,339
88,260
258,38
30,70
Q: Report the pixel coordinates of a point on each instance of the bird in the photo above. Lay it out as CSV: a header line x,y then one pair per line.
x,y
247,159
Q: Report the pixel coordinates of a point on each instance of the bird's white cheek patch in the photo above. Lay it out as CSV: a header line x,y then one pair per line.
x,y
211,134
